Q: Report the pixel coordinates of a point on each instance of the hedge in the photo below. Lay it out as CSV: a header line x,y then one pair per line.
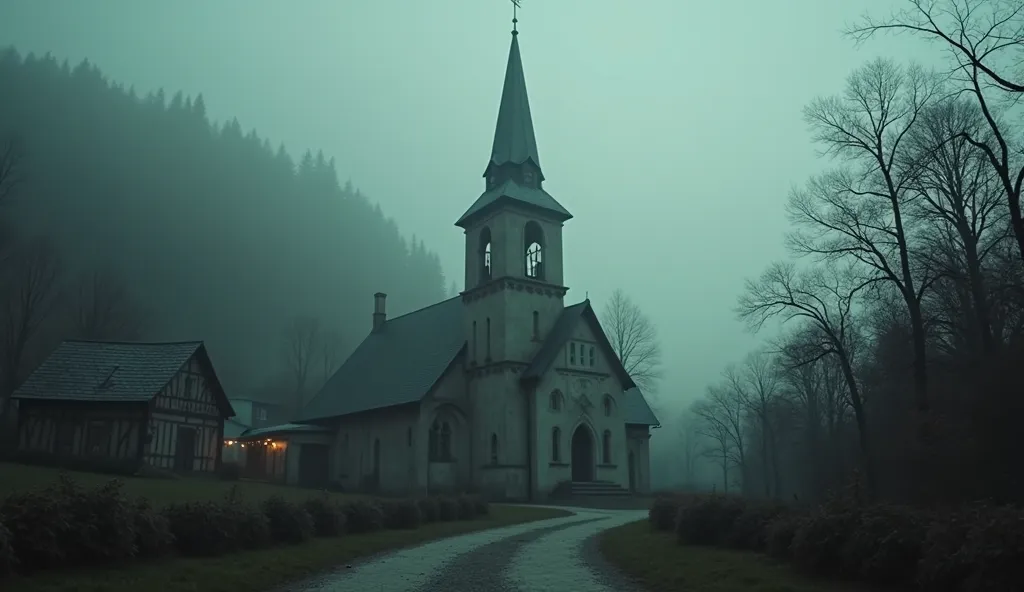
x,y
978,548
66,525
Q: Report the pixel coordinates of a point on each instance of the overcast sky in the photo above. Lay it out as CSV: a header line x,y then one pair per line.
x,y
671,130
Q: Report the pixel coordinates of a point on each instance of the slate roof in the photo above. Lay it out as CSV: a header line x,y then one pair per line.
x,y
511,191
400,363
102,371
514,139
287,428
637,411
395,365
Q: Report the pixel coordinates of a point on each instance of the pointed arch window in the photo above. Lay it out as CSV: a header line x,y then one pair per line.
x,y
486,268
534,240
494,449
556,400
607,406
606,447
556,445
440,441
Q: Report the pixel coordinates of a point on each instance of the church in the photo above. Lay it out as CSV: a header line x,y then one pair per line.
x,y
503,389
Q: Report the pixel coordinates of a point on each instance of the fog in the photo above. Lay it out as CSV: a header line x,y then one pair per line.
x,y
673,131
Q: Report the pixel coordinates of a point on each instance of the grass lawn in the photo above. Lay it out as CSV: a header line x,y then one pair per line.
x,y
17,477
264,569
660,564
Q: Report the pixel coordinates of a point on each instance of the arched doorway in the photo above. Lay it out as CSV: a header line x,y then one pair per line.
x,y
582,455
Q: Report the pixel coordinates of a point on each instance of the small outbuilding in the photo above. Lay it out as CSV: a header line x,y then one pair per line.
x,y
123,407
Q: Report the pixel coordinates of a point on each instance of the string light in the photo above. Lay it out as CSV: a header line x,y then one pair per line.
x,y
266,443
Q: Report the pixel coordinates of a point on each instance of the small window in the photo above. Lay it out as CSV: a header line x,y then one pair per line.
x,y
473,358
556,441
494,449
488,358
572,354
606,447
187,392
261,413
607,406
556,401
536,325
591,356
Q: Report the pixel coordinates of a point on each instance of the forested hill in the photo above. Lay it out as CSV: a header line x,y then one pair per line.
x,y
215,232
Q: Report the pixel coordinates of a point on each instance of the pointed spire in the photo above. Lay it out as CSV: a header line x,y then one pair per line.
x,y
514,140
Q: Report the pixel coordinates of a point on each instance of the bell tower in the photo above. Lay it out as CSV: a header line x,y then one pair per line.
x,y
514,276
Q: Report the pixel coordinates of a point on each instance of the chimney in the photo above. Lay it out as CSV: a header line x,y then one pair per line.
x,y
379,311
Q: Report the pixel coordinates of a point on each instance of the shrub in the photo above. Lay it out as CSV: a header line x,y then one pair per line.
x,y
995,551
328,516
363,516
203,528
467,507
819,540
428,509
251,525
7,558
750,528
153,536
401,514
447,509
231,471
289,523
884,545
707,520
663,512
779,536
100,522
37,524
943,565
480,506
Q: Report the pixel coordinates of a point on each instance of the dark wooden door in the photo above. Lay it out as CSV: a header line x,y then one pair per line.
x,y
582,455
185,449
313,465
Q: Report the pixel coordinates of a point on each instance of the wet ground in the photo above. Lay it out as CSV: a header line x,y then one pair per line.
x,y
545,556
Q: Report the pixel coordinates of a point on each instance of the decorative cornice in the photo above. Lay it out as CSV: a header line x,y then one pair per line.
x,y
514,284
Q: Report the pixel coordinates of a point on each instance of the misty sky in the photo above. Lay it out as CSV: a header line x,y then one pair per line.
x,y
671,130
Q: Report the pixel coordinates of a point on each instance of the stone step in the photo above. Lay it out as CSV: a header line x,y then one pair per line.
x,y
597,488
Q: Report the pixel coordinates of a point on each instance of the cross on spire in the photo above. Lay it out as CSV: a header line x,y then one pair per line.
x,y
515,8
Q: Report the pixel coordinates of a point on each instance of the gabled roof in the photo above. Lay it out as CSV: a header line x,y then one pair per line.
x,y
395,365
637,411
286,428
233,429
511,191
104,371
561,333
514,139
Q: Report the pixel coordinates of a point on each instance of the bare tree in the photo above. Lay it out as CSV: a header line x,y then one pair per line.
x,y
979,34
12,172
103,309
331,347
857,212
689,439
301,340
960,204
713,425
756,384
634,339
824,299
28,296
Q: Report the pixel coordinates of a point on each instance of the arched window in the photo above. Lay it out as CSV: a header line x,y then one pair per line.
x,y
536,326
556,441
485,255
606,448
607,406
534,241
494,449
440,442
556,400
591,356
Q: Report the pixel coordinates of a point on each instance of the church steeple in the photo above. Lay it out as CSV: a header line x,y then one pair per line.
x,y
514,141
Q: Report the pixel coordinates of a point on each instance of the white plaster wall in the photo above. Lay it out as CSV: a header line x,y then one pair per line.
x,y
448,401
639,445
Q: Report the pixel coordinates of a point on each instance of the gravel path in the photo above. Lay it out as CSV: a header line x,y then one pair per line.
x,y
556,554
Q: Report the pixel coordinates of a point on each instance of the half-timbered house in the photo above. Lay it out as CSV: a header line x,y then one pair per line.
x,y
123,406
